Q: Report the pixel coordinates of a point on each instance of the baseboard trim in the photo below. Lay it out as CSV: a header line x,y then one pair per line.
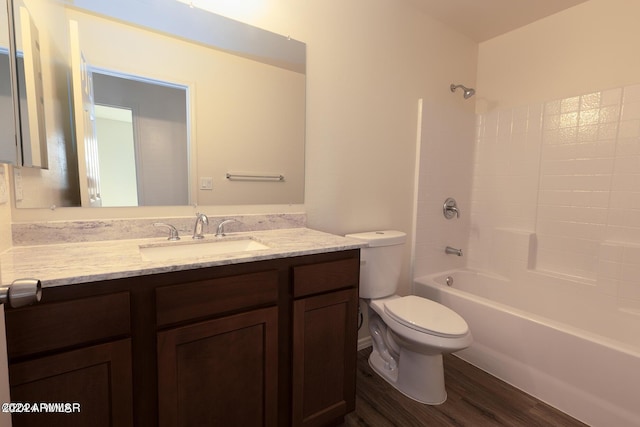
x,y
364,343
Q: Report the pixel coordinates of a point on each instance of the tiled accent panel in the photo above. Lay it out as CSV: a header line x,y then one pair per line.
x,y
578,152
568,173
446,164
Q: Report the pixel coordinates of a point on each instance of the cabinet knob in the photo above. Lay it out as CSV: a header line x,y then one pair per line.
x,y
21,292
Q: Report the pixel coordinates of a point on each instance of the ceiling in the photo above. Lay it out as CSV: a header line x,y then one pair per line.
x,y
482,20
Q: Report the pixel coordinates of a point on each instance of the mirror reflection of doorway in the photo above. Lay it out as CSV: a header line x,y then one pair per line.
x,y
151,154
116,154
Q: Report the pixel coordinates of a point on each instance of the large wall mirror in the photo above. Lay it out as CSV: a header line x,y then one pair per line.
x,y
160,103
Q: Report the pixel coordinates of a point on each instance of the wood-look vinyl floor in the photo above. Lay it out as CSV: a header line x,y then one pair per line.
x,y
475,399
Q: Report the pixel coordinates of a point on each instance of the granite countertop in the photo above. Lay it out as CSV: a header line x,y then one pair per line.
x,y
72,263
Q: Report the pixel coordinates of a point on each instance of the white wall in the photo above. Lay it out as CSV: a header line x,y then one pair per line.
x,y
378,58
368,65
583,49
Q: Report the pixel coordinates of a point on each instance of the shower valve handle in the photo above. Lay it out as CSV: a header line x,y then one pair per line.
x,y
450,208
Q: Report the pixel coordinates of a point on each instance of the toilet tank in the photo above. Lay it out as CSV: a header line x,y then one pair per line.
x,y
380,262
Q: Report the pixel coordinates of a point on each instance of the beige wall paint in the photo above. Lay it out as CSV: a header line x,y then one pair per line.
x,y
368,64
586,48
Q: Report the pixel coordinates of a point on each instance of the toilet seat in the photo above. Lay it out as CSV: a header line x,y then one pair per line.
x,y
426,316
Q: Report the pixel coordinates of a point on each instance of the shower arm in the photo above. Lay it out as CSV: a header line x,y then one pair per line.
x,y
468,92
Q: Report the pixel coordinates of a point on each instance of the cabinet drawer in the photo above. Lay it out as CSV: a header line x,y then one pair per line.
x,y
178,303
47,327
326,276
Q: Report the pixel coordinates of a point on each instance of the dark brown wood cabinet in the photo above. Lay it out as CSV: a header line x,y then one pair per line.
x,y
55,360
221,372
324,350
90,386
266,343
324,342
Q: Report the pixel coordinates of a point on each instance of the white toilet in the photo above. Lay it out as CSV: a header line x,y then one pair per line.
x,y
410,334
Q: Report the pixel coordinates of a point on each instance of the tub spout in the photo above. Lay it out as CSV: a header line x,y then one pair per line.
x,y
452,251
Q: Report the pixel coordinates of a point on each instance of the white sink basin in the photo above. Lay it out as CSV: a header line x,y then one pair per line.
x,y
199,249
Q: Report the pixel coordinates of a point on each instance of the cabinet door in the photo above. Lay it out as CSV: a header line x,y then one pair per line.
x,y
221,372
324,357
95,381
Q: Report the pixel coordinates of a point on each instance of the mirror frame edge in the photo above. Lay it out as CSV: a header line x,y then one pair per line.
x,y
13,76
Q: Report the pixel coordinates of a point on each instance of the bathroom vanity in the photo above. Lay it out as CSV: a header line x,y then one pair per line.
x,y
262,338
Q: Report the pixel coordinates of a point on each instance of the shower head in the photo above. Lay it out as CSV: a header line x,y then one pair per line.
x,y
468,92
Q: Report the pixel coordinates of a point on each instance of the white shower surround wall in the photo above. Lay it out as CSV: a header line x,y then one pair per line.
x,y
550,201
568,171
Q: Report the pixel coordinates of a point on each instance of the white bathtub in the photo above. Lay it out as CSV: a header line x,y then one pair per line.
x,y
544,340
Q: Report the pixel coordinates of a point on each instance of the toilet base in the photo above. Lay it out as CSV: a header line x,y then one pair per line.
x,y
417,376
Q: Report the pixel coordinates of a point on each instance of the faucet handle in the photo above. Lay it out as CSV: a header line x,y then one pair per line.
x,y
450,208
173,232
220,229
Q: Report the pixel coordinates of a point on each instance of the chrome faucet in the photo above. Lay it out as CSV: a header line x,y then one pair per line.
x,y
201,220
173,232
452,251
450,208
220,229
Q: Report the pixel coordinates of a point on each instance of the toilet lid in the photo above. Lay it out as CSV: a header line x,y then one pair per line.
x,y
426,316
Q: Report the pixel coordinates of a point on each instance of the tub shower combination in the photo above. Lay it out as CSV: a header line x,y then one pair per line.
x,y
549,281
585,363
